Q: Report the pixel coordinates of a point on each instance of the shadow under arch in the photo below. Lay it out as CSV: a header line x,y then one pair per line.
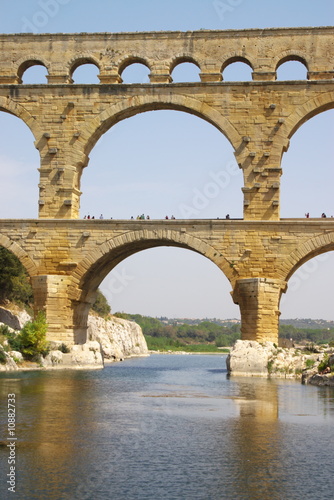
x,y
140,104
21,254
88,275
307,251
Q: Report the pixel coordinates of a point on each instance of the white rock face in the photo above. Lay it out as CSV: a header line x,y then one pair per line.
x,y
14,319
10,364
85,356
119,338
249,358
114,340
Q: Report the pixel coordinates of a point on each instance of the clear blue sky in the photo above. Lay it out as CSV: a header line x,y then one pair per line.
x,y
121,181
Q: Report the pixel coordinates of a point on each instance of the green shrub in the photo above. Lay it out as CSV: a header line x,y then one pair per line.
x,y
14,280
32,338
309,363
101,306
64,348
3,357
323,364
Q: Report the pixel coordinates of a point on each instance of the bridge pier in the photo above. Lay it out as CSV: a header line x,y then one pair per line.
x,y
258,299
51,296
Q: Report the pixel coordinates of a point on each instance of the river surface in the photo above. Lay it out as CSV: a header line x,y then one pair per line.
x,y
166,427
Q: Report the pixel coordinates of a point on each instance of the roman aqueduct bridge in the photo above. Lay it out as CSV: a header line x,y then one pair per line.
x,y
67,258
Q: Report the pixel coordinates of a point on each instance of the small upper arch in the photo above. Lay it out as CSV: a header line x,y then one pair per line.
x,y
291,57
236,59
180,59
239,68
81,60
132,59
23,65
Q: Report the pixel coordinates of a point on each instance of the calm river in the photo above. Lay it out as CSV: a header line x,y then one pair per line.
x,y
167,427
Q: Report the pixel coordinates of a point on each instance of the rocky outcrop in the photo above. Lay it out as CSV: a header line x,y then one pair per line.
x,y
87,356
250,358
119,338
112,339
15,318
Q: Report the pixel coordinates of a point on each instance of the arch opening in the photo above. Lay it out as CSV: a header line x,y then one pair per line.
x,y
237,70
162,164
185,71
171,282
19,169
309,294
85,72
159,278
291,68
33,72
135,71
308,176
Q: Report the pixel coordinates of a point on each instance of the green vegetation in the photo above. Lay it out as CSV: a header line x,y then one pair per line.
x,y
32,338
167,344
318,336
31,341
64,348
14,280
205,336
101,306
3,357
309,363
324,365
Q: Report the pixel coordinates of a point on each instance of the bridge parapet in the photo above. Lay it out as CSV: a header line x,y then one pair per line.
x,y
262,49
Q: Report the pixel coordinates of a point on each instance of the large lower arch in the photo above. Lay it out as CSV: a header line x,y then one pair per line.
x,y
306,251
8,106
21,254
141,103
94,268
311,108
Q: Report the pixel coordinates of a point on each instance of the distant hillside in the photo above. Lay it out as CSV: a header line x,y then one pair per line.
x,y
224,333
308,323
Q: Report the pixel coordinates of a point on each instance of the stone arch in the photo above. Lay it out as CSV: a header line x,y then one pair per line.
x,y
306,251
180,59
19,111
21,254
302,114
80,60
141,103
236,58
93,269
290,55
34,60
132,59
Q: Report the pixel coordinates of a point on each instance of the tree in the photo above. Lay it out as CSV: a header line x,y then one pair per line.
x,y
101,306
14,280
